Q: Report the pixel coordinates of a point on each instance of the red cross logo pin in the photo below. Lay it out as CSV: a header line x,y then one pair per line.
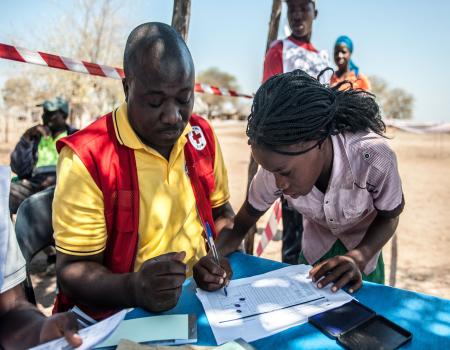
x,y
197,138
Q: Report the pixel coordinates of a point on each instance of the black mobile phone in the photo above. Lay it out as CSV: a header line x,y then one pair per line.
x,y
357,327
339,320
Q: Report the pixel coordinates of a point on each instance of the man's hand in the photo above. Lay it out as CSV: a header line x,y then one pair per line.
x,y
36,132
210,276
158,284
340,270
60,325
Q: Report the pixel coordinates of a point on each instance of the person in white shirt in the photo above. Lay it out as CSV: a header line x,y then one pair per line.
x,y
22,325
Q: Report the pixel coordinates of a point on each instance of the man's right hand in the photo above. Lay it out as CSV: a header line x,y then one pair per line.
x,y
158,284
210,276
36,132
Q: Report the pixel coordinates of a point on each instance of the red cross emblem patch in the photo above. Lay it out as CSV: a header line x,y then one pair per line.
x,y
197,138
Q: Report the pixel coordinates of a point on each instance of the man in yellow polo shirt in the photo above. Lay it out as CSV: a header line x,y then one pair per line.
x,y
154,124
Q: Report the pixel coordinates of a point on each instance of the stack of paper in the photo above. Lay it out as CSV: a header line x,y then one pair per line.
x,y
162,329
262,305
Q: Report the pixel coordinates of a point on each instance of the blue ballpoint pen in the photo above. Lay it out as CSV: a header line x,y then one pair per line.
x,y
213,249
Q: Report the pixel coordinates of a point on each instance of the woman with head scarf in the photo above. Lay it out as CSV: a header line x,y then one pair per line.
x,y
347,69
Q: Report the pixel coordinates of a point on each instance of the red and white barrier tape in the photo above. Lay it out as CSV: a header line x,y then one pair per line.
x,y
271,228
19,54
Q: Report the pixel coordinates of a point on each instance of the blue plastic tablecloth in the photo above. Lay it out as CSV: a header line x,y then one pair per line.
x,y
427,317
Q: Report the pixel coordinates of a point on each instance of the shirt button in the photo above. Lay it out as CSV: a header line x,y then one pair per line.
x,y
326,202
331,219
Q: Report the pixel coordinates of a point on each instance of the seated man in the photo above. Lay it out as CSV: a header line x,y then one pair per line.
x,y
21,323
136,188
34,158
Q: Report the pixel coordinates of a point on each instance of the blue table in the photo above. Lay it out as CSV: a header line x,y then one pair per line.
x,y
427,317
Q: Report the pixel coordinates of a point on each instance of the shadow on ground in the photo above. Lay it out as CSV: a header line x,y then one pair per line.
x,y
43,277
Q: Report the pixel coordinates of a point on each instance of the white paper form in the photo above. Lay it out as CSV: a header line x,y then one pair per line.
x,y
262,305
91,336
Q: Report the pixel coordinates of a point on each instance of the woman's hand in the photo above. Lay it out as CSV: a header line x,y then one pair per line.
x,y
340,270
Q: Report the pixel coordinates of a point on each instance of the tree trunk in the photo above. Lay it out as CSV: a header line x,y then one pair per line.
x,y
253,167
181,16
394,257
6,127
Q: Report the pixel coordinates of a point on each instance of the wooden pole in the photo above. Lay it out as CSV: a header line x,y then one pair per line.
x,y
274,23
253,166
181,16
394,258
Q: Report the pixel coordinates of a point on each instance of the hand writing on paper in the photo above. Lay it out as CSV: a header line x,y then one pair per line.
x,y
60,325
340,270
209,276
158,284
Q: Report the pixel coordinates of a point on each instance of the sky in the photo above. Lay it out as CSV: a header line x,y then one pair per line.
x,y
405,42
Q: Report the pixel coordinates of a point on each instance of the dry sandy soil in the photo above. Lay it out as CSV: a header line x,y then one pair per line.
x,y
423,233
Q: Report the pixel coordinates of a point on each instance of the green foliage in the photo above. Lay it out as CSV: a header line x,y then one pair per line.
x,y
16,91
396,103
90,32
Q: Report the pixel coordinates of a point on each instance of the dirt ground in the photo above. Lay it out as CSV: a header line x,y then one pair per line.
x,y
424,229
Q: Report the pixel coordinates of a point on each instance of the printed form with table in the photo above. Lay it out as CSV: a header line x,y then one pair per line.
x,y
265,304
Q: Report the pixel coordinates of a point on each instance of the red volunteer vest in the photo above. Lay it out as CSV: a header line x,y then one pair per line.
x,y
113,168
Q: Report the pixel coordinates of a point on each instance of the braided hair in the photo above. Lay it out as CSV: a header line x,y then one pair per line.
x,y
293,107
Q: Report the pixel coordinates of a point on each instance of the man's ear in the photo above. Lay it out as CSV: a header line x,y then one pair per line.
x,y
315,14
125,88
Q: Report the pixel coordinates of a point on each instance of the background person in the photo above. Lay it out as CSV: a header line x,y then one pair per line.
x,y
347,69
34,158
